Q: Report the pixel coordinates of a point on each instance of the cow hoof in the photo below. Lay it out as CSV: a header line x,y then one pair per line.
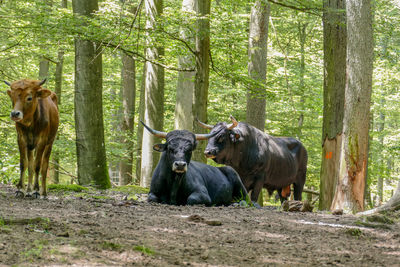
x,y
36,195
19,194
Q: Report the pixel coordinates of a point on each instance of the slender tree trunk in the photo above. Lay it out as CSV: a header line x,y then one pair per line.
x,y
58,85
185,88
128,115
349,194
334,24
302,38
43,69
89,127
153,94
202,72
140,127
57,88
257,67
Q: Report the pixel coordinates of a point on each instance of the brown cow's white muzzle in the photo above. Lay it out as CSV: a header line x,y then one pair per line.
x,y
16,115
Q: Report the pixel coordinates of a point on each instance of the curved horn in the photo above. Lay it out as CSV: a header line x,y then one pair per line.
x,y
7,83
203,125
43,81
155,132
234,123
204,136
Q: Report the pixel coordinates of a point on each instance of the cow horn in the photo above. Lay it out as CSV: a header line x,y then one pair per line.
x,y
155,132
7,83
204,136
43,81
203,125
234,123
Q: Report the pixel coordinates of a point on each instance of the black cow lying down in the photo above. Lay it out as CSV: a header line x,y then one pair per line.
x,y
179,181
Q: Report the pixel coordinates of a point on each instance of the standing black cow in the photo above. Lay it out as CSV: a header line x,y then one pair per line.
x,y
179,181
260,159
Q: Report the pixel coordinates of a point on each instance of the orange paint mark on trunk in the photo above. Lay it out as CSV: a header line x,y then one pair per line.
x,y
328,155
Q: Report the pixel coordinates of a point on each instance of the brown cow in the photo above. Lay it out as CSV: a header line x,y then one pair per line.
x,y
35,113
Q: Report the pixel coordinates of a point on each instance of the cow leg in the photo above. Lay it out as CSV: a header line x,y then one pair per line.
x,y
299,185
38,163
30,172
43,169
199,198
258,185
23,162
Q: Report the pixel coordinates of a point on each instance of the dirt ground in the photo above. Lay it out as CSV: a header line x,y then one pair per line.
x,y
103,229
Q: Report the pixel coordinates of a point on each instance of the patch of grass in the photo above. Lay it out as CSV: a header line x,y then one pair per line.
x,y
111,246
101,197
66,188
131,189
36,251
144,250
354,232
379,219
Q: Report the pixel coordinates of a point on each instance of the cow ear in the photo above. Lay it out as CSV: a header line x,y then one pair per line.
x,y
160,147
9,92
43,93
236,136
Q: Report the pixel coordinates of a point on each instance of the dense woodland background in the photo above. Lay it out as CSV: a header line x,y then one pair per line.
x,y
35,32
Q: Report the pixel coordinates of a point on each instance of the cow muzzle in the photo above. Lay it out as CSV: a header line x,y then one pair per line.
x,y
211,154
16,115
179,166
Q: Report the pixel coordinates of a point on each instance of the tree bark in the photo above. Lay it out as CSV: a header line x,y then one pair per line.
x,y
257,67
334,25
140,127
202,73
349,194
185,88
153,94
89,127
58,85
128,114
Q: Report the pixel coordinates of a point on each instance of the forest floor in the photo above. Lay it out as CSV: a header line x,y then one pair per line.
x,y
100,228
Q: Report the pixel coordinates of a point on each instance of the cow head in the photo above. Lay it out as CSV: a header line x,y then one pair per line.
x,y
179,146
223,136
24,95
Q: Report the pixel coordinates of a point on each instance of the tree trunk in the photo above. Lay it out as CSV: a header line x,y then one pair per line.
x,y
334,24
128,114
302,39
57,88
140,127
58,85
91,153
349,194
257,67
202,73
153,94
185,88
